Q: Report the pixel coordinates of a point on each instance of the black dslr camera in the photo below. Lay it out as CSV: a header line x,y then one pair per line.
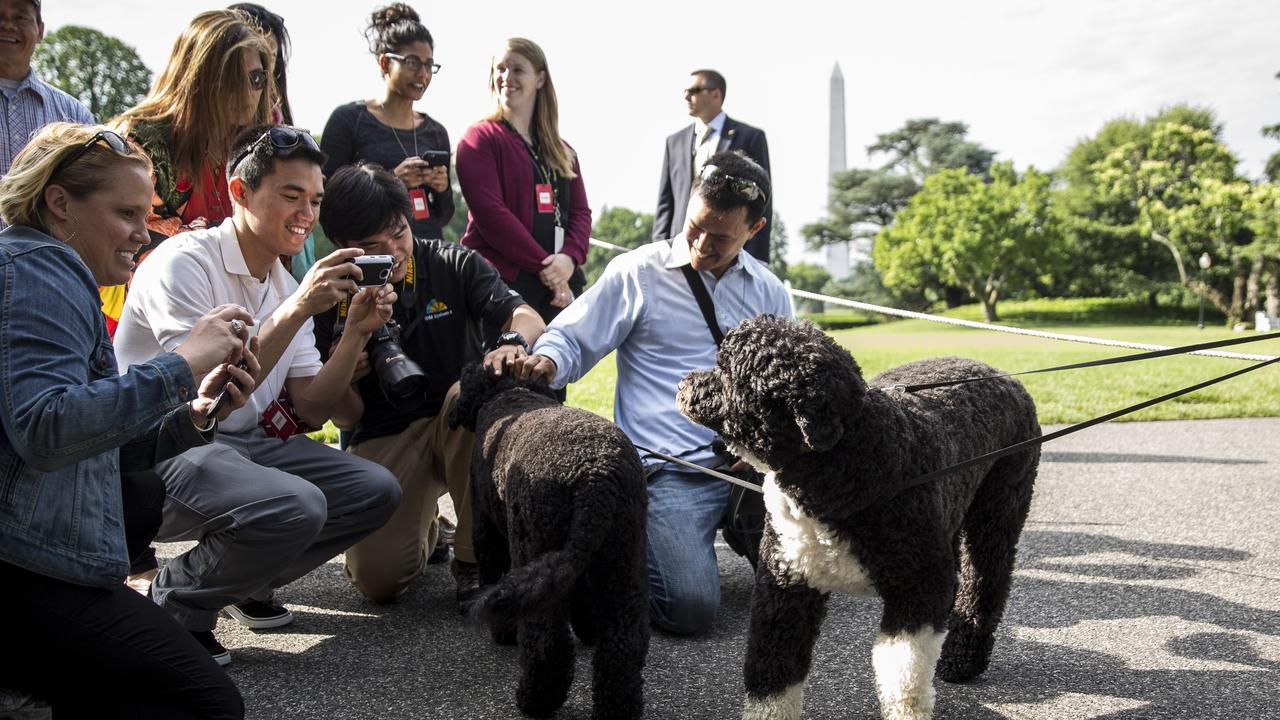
x,y
398,376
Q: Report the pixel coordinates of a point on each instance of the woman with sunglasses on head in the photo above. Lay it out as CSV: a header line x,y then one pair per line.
x,y
76,200
388,131
529,212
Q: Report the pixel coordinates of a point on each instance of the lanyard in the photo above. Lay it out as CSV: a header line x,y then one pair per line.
x,y
543,172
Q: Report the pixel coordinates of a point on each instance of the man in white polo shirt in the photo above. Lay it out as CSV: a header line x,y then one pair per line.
x,y
266,503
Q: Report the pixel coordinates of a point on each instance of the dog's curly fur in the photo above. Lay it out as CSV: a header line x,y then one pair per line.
x,y
836,453
559,503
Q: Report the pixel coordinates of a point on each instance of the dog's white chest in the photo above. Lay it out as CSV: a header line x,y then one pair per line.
x,y
810,550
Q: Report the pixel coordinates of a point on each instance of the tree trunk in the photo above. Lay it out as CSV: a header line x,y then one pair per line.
x,y
1253,289
954,296
1273,289
1239,280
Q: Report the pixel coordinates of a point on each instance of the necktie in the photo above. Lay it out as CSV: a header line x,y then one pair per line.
x,y
703,151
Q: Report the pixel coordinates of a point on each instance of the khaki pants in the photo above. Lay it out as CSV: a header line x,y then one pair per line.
x,y
428,459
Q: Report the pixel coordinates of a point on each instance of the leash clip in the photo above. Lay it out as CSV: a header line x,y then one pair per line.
x,y
899,388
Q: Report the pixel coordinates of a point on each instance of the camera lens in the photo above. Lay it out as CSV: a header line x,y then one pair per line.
x,y
398,376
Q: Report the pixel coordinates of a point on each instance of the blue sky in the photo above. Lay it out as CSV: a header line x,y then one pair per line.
x,y
1030,78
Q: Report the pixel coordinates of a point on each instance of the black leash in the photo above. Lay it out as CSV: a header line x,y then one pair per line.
x,y
929,477
996,454
1096,363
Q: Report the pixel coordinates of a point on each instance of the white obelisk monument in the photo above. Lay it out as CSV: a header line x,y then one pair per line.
x,y
837,253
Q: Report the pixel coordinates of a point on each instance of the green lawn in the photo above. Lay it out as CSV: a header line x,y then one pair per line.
x,y
1062,397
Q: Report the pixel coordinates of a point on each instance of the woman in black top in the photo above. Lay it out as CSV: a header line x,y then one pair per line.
x,y
388,131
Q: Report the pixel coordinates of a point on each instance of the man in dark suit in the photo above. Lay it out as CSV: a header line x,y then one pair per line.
x,y
687,150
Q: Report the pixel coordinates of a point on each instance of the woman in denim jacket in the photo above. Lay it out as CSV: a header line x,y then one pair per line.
x,y
76,200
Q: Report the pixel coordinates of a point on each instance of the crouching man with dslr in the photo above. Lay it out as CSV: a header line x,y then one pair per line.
x,y
445,294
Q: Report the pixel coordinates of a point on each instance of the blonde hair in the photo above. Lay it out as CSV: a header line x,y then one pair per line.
x,y
39,165
197,90
545,127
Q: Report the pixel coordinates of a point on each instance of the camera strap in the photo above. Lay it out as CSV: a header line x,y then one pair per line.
x,y
705,304
407,298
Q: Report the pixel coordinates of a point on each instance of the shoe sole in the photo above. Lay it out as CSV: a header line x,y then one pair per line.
x,y
258,623
223,658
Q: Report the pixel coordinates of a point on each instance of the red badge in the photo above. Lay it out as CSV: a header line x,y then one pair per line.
x,y
278,422
418,199
546,198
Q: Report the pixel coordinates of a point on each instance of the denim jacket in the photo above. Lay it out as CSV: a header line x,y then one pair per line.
x,y
70,422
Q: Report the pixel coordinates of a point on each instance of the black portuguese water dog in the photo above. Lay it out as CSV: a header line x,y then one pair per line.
x,y
559,504
791,401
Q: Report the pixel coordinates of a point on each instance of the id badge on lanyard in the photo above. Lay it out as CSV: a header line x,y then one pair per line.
x,y
547,204
418,199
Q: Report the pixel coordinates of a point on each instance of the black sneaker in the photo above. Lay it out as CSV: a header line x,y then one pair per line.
x,y
259,615
206,639
468,577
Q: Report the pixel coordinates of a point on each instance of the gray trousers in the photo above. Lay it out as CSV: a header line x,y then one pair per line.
x,y
265,513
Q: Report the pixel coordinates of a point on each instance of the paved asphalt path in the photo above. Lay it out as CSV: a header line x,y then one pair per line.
x,y
1148,586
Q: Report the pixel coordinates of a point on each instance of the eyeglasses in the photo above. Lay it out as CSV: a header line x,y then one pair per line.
x,y
695,90
283,138
117,144
257,79
742,186
414,64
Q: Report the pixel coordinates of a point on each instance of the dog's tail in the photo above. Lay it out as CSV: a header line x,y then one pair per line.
x,y
543,583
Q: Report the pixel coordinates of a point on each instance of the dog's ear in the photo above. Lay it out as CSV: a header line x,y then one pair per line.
x,y
830,391
817,418
474,385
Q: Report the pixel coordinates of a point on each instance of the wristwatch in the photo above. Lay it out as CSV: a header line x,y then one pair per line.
x,y
510,337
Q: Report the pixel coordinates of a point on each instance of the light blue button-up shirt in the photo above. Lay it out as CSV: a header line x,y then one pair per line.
x,y
29,106
642,307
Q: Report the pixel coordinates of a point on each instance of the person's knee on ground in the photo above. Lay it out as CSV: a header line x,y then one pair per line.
x,y
686,608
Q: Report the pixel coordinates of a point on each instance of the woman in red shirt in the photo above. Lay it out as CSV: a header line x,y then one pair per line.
x,y
529,214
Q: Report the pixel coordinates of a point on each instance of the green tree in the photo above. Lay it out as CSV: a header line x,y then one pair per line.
x,y
810,278
1187,200
925,146
989,238
1110,256
619,226
99,70
1272,170
461,216
778,247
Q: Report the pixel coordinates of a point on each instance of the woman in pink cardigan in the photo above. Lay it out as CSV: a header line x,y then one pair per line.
x,y
529,215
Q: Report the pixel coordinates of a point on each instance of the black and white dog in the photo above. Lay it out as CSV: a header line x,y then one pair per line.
x,y
559,498
836,453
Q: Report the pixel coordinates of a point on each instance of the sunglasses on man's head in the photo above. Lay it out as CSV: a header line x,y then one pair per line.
x,y
283,138
742,186
113,140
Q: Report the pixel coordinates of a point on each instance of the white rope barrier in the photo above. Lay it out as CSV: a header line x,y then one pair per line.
x,y
882,310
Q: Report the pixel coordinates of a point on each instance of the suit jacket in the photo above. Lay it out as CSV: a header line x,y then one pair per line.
x,y
677,180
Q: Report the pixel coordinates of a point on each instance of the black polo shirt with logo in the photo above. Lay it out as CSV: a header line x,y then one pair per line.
x,y
441,312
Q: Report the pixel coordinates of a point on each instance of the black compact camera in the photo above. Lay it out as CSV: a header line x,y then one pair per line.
x,y
398,376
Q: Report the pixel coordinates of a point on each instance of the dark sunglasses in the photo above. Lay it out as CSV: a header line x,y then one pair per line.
x,y
257,79
113,141
746,188
695,90
283,138
413,63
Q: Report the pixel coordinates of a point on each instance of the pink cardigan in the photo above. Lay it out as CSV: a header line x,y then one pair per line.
x,y
496,176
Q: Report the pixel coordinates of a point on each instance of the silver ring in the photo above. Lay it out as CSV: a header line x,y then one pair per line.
x,y
237,327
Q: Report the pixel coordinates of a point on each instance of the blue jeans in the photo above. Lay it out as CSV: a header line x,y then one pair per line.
x,y
684,579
